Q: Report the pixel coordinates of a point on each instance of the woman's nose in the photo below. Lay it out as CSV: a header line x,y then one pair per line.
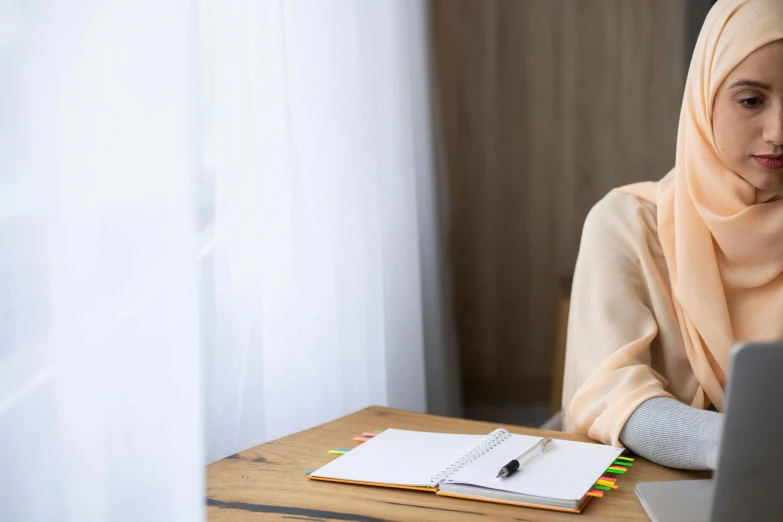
x,y
773,130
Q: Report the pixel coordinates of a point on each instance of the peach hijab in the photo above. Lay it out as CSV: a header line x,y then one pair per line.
x,y
722,242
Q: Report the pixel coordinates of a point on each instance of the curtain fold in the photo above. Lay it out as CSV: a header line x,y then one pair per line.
x,y
100,378
321,147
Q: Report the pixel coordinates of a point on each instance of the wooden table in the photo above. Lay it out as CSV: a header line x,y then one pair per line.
x,y
267,482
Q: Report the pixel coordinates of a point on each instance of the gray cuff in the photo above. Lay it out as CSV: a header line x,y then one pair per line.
x,y
673,434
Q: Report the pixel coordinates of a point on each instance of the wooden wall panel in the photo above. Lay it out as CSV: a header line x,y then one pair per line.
x,y
546,105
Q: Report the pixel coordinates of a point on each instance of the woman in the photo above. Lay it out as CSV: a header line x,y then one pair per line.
x,y
671,275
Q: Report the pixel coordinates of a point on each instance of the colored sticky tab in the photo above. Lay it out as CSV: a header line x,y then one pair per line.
x,y
343,449
337,452
378,431
361,439
629,459
602,488
307,471
606,483
610,470
618,468
369,434
595,493
610,479
619,463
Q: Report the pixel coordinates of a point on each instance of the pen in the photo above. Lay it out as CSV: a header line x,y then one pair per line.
x,y
540,447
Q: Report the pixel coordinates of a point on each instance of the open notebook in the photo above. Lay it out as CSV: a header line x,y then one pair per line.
x,y
466,466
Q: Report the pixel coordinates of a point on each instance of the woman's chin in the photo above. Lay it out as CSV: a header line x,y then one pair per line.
x,y
768,181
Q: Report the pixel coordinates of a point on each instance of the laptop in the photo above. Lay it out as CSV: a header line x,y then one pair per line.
x,y
748,482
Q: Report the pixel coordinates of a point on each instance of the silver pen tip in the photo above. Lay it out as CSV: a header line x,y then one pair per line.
x,y
502,473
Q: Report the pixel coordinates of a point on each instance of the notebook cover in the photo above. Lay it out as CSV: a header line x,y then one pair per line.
x,y
434,490
520,504
396,486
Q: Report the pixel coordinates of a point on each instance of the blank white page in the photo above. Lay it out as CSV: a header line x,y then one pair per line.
x,y
399,457
566,472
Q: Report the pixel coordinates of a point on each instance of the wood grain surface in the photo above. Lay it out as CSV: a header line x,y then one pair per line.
x,y
267,482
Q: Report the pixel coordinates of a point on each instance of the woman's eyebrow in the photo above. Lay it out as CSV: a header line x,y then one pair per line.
x,y
751,83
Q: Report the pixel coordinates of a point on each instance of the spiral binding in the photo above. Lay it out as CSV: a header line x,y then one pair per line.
x,y
480,448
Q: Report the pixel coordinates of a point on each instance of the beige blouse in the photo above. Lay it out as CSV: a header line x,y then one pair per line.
x,y
622,310
630,338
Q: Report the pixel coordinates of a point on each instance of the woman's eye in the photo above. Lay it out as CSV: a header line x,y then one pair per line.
x,y
751,102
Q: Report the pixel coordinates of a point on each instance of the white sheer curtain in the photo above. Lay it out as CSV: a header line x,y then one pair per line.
x,y
217,226
100,378
321,242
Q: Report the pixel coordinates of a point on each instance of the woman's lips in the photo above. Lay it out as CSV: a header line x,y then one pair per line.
x,y
770,162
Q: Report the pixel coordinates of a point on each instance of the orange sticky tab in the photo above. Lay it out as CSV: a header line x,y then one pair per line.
x,y
595,493
361,439
607,484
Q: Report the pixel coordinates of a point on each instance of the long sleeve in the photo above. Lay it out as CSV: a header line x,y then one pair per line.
x,y
674,434
624,345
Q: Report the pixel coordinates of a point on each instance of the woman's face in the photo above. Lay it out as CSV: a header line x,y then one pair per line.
x,y
748,118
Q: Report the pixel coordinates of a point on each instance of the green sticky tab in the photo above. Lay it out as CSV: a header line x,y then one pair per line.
x,y
615,471
618,463
598,486
378,431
